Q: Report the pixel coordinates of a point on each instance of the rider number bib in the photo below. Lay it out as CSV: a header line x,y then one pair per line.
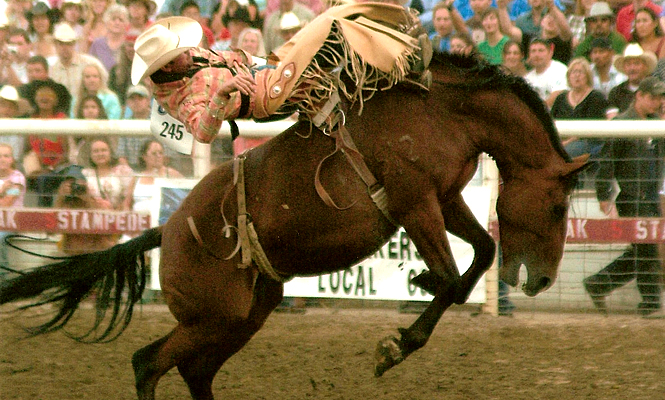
x,y
169,131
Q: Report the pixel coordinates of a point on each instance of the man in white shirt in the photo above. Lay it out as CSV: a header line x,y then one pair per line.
x,y
68,69
548,76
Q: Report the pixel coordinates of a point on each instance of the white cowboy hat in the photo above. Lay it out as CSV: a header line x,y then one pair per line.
x,y
289,21
9,93
64,33
634,50
162,42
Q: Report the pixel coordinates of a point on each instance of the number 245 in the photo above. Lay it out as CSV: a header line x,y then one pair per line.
x,y
175,131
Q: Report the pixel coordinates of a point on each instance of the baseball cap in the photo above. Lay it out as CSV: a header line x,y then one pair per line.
x,y
601,43
138,89
652,85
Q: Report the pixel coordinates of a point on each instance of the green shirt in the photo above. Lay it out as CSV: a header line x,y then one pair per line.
x,y
617,41
493,54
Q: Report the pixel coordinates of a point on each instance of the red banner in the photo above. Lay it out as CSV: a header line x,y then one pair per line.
x,y
622,230
72,221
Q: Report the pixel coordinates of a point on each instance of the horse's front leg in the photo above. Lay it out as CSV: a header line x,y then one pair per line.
x,y
425,225
461,222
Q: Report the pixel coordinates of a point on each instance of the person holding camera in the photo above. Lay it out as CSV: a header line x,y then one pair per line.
x,y
12,192
108,181
14,58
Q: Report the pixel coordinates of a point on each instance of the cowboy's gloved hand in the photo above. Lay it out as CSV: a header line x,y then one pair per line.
x,y
242,82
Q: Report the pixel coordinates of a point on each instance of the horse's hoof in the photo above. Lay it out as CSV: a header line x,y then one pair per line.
x,y
428,281
388,354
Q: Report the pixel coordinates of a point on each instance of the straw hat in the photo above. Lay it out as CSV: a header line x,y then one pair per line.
x,y
162,42
634,50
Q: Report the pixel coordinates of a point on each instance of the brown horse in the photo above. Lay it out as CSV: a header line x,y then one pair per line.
x,y
422,147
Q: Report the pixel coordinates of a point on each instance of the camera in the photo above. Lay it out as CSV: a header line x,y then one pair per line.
x,y
78,189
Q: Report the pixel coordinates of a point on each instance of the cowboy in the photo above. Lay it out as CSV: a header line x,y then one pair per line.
x,y
202,88
636,64
600,24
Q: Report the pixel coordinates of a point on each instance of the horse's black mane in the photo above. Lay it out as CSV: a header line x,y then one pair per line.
x,y
488,76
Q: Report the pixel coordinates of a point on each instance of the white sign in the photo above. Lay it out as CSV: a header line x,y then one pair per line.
x,y
387,274
169,131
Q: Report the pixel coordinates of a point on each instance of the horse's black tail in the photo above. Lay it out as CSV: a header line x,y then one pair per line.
x,y
118,274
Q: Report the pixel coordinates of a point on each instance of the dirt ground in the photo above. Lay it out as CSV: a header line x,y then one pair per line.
x,y
328,354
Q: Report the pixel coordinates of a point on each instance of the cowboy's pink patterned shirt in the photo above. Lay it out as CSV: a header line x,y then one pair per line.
x,y
197,101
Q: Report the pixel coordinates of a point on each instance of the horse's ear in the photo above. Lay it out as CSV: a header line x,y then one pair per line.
x,y
572,169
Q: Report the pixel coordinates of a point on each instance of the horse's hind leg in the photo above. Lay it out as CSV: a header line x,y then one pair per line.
x,y
199,370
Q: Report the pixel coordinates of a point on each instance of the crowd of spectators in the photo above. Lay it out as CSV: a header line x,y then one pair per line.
x,y
72,59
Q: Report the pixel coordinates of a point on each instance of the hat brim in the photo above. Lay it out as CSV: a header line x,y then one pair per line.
x,y
190,33
649,59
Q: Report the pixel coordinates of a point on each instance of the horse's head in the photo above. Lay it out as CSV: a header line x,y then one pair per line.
x,y
532,216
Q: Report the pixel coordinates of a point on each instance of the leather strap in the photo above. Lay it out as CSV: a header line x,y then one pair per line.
x,y
245,244
344,143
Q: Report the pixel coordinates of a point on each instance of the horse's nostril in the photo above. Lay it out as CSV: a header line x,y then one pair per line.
x,y
543,283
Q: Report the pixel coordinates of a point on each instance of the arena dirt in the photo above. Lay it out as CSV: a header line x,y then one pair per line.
x,y
328,354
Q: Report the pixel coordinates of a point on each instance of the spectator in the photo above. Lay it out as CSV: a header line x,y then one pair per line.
x,y
152,164
139,12
190,9
15,58
10,107
37,69
635,164
492,47
317,6
173,7
636,64
235,20
15,13
582,101
73,192
4,27
648,32
626,16
462,43
72,15
289,25
558,33
513,58
576,20
548,76
444,26
12,192
474,22
600,25
69,66
41,22
605,75
46,153
251,40
545,21
120,74
93,81
108,180
271,30
138,107
90,107
94,27
107,48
